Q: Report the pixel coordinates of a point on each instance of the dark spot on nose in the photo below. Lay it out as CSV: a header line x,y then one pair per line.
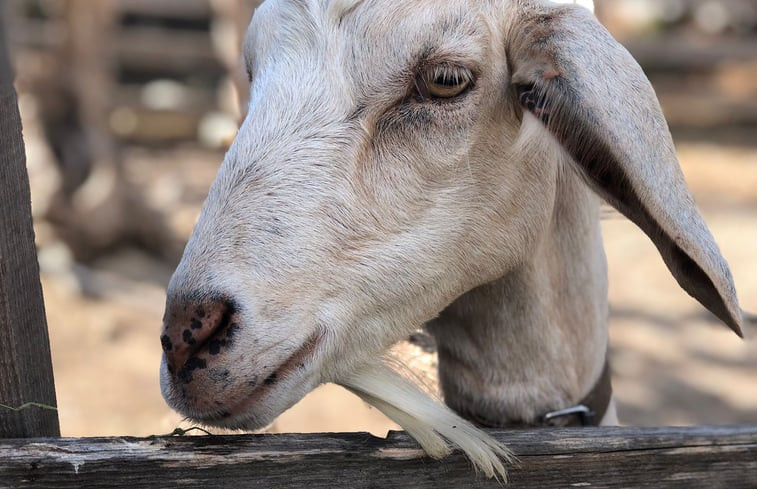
x,y
187,337
200,311
271,379
215,345
195,324
194,363
165,341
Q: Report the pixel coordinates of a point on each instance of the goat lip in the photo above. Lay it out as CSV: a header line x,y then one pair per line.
x,y
296,362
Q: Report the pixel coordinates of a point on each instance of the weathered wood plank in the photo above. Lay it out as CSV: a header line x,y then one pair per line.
x,y
166,8
701,457
26,373
151,48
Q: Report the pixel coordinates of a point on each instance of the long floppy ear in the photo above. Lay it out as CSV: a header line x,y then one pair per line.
x,y
594,98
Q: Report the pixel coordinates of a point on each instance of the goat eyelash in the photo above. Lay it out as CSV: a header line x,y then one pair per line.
x,y
449,75
442,82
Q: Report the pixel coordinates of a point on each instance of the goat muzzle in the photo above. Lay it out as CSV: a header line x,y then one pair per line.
x,y
191,326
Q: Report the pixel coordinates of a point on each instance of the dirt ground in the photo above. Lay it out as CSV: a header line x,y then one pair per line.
x,y
672,363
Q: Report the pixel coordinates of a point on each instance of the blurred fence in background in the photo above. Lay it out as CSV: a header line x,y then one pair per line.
x,y
701,55
112,72
168,67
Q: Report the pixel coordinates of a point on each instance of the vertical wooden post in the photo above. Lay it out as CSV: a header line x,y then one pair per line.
x,y
26,373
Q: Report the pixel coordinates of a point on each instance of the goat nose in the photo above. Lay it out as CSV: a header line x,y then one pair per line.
x,y
189,324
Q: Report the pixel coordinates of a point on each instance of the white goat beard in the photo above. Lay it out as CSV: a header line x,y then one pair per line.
x,y
433,425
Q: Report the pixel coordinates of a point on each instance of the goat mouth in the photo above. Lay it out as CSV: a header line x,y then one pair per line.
x,y
296,363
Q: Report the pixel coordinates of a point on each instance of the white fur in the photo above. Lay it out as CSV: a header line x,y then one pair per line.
x,y
428,421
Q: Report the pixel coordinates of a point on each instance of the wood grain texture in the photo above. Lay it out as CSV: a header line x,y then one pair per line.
x,y
25,366
702,457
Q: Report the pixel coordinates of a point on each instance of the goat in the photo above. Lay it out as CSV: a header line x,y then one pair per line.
x,y
410,162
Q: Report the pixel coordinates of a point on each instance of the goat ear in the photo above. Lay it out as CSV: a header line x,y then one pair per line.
x,y
594,98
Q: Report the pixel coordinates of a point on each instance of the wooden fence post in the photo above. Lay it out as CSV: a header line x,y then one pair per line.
x,y
26,374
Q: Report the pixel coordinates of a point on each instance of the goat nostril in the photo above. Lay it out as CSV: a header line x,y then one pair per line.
x,y
190,326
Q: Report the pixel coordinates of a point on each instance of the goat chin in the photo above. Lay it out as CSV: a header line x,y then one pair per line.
x,y
433,425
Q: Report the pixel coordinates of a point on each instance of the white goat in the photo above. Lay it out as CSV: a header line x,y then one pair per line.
x,y
413,161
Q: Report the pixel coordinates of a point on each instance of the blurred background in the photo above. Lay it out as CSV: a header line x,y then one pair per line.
x,y
129,105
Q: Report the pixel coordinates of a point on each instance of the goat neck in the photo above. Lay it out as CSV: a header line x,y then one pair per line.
x,y
534,340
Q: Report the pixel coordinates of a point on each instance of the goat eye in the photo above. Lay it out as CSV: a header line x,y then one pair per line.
x,y
444,82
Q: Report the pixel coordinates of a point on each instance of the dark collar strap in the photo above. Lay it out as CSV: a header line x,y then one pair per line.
x,y
590,410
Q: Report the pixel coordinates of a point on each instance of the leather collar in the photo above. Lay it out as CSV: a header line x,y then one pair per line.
x,y
588,412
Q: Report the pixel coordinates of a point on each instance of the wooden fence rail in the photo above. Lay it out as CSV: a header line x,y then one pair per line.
x,y
701,457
